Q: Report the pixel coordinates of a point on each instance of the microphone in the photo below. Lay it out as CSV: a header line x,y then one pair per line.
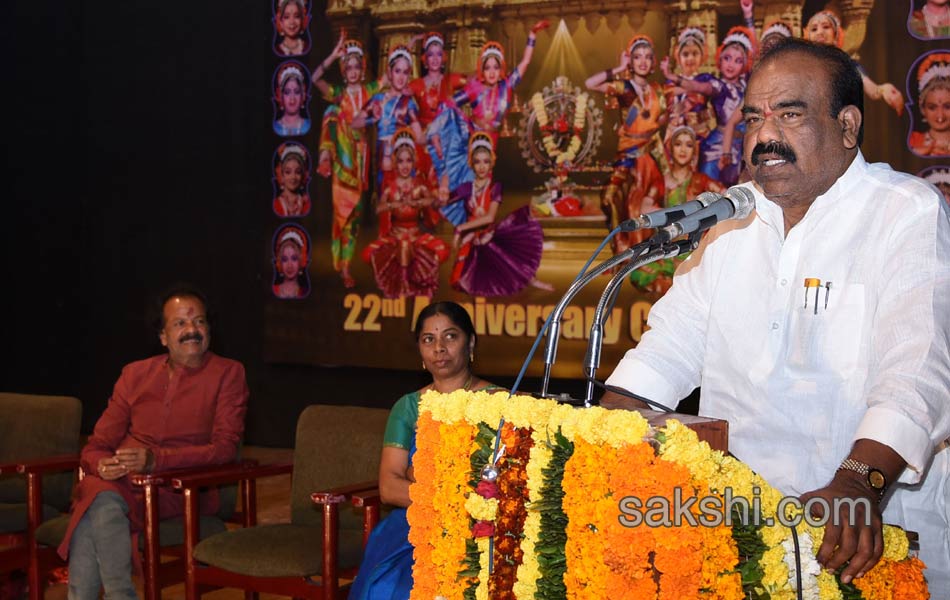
x,y
736,203
665,216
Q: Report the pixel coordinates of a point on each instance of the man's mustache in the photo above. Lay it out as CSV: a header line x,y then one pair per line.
x,y
780,150
191,336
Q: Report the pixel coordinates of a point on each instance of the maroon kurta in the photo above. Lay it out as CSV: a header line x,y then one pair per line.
x,y
195,417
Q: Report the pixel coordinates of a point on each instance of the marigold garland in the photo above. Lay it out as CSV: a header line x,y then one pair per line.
x,y
553,514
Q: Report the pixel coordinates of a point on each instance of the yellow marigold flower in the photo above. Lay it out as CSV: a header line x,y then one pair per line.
x,y
481,509
775,575
828,586
896,544
481,592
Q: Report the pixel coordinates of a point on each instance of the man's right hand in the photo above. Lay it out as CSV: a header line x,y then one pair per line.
x,y
111,469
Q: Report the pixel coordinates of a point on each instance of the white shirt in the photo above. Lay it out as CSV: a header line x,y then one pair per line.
x,y
798,388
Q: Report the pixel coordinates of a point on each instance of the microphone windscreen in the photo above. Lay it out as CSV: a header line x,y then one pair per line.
x,y
743,199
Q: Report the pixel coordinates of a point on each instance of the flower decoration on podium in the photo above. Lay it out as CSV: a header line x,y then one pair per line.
x,y
523,498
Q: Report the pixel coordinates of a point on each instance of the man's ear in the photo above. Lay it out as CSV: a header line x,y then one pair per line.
x,y
163,339
850,120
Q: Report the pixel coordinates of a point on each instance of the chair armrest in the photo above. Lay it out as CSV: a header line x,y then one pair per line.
x,y
343,493
165,477
367,498
7,468
63,462
232,474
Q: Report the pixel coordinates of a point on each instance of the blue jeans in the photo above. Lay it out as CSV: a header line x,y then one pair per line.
x,y
100,551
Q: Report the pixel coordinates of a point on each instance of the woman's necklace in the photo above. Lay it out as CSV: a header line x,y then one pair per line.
x,y
292,202
941,142
465,386
355,101
645,97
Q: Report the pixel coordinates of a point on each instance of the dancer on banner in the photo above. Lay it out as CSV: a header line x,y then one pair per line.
x,y
291,251
406,258
933,81
489,94
292,174
683,183
432,91
689,109
493,259
636,184
344,151
290,23
932,21
721,156
939,176
825,27
445,338
771,33
290,100
391,110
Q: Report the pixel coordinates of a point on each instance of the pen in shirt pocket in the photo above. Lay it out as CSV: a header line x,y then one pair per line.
x,y
812,282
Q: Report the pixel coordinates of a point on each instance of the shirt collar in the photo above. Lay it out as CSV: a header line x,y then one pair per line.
x,y
771,214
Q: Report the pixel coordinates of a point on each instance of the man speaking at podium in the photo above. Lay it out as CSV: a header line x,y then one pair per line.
x,y
818,326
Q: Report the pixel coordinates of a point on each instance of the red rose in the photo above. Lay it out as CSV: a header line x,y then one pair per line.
x,y
487,489
483,529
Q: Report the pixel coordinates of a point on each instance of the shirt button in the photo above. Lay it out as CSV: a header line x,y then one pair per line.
x,y
774,325
784,281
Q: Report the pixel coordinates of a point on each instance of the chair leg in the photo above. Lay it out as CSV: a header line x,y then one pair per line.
x,y
153,590
34,491
249,595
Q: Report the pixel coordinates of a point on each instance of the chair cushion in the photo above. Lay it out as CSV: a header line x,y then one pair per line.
x,y
13,516
282,550
52,532
171,532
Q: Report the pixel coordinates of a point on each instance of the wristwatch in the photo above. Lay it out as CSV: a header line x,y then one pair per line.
x,y
875,477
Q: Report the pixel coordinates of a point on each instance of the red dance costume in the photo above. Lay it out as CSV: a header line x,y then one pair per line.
x,y
405,258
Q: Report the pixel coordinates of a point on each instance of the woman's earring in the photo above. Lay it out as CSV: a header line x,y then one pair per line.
x,y
424,366
471,357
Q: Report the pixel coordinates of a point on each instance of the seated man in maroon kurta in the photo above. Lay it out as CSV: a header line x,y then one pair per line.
x,y
182,409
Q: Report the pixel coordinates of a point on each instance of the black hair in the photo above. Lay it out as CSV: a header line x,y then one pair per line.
x,y
844,78
180,290
455,313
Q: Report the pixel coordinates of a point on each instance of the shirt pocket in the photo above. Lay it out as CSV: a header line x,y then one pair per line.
x,y
827,344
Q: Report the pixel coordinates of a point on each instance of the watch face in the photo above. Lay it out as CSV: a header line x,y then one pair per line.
x,y
876,479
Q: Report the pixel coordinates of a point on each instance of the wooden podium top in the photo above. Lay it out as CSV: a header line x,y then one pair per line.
x,y
714,432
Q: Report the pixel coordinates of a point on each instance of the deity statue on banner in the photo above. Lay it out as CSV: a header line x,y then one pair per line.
x,y
291,19
405,258
493,259
683,183
291,174
933,83
291,252
636,184
290,100
344,151
489,94
824,27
